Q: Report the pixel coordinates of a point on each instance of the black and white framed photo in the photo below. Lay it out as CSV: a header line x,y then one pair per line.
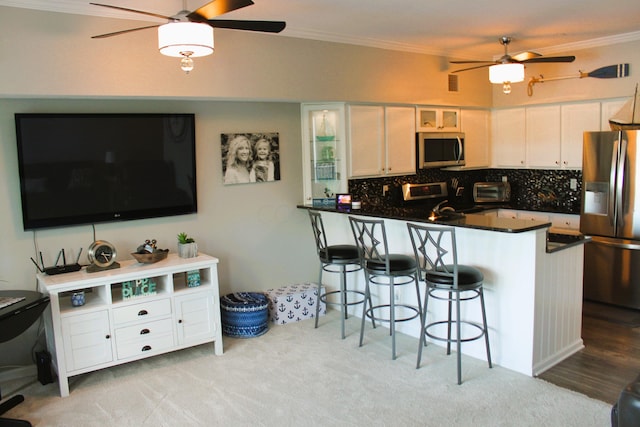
x,y
250,157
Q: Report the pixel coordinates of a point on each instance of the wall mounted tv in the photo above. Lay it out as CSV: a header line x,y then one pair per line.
x,y
89,168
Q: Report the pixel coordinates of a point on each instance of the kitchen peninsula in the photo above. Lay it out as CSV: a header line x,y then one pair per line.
x,y
533,293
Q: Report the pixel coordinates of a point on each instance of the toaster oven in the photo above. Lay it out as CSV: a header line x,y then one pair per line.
x,y
491,192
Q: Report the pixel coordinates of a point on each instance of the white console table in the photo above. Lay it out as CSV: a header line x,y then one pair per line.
x,y
109,330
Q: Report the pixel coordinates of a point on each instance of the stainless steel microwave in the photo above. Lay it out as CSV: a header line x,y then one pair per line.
x,y
440,149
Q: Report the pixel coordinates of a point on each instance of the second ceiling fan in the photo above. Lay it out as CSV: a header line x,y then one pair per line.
x,y
510,69
521,58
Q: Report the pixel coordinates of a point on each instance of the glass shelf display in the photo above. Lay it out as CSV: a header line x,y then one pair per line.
x,y
324,152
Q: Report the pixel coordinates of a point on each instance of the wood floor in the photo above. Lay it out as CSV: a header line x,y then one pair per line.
x,y
611,357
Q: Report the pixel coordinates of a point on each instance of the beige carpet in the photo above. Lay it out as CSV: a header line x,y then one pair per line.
x,y
296,375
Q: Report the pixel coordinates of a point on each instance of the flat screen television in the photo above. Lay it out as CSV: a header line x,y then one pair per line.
x,y
89,168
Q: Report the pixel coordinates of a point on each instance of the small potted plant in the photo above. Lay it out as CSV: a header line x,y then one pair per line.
x,y
187,246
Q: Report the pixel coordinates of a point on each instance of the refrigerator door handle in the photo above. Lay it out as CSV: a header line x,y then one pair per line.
x,y
611,213
615,243
622,158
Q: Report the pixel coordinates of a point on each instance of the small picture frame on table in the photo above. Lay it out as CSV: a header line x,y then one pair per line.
x,y
343,202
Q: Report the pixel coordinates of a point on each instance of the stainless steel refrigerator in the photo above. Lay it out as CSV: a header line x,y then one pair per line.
x,y
611,215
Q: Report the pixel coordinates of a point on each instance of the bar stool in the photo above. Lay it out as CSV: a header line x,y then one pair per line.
x,y
341,259
436,255
386,269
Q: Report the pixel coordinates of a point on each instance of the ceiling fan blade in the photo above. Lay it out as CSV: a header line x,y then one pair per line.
x,y
523,56
550,59
217,8
471,62
117,33
263,26
132,10
473,68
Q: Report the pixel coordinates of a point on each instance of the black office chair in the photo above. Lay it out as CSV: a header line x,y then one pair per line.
x,y
340,259
436,255
14,320
385,269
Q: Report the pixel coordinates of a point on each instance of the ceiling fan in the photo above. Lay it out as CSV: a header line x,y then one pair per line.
x,y
190,34
521,58
510,69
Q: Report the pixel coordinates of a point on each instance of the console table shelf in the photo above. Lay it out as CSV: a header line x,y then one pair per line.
x,y
163,314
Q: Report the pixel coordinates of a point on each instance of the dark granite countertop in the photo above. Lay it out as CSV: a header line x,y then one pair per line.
x,y
473,219
466,220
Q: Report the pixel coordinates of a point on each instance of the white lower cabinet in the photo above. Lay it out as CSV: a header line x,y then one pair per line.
x,y
110,329
194,316
87,340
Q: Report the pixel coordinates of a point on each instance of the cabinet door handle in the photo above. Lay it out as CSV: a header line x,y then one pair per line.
x,y
143,313
146,348
179,320
145,331
107,336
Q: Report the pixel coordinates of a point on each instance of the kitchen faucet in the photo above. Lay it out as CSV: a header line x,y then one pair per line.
x,y
437,208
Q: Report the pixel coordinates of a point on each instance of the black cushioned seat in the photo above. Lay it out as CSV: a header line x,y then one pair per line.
x,y
397,262
338,253
468,277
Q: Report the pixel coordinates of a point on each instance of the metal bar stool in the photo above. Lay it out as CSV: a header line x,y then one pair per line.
x,y
341,259
436,255
383,268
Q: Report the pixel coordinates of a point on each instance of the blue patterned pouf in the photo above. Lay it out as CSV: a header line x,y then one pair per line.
x,y
244,314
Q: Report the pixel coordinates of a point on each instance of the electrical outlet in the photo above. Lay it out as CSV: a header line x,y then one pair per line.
x,y
573,183
385,189
504,178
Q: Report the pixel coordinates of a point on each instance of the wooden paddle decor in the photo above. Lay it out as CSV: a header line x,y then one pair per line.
x,y
608,72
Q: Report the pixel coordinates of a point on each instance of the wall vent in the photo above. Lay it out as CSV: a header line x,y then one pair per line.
x,y
453,83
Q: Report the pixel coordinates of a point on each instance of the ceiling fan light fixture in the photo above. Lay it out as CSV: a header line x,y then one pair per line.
x,y
505,74
501,73
190,39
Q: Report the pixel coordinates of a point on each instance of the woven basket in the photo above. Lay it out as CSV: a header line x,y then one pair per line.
x,y
244,314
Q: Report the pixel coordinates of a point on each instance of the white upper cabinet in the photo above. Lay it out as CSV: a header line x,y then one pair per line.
x,y
548,136
432,119
366,135
509,135
381,140
575,120
476,125
543,136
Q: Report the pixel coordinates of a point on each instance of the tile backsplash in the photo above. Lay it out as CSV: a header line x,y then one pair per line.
x,y
532,189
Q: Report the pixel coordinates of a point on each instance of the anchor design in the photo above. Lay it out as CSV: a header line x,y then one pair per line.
x,y
289,298
303,295
290,315
296,305
305,312
281,308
